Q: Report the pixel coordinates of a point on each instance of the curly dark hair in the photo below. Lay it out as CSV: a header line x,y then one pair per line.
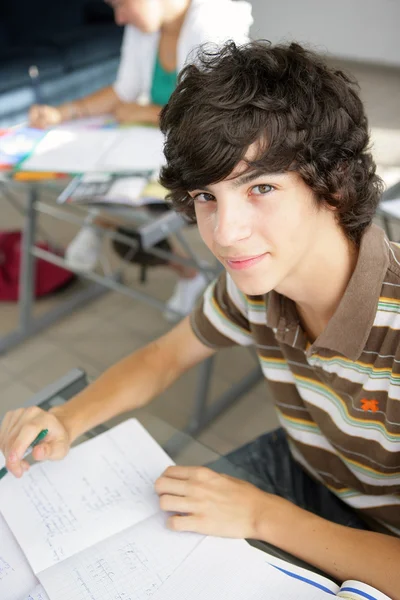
x,y
306,117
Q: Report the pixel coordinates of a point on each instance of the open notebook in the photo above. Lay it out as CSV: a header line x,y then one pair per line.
x,y
90,528
76,149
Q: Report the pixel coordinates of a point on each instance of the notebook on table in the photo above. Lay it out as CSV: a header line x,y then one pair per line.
x,y
90,528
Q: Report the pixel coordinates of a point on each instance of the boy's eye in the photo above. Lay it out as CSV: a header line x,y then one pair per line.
x,y
262,188
203,197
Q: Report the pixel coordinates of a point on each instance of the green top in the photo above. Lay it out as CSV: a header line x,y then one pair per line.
x,y
164,83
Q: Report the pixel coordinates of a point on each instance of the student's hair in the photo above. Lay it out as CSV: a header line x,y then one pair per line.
x,y
305,116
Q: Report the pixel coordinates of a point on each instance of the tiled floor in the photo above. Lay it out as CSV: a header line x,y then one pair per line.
x,y
106,330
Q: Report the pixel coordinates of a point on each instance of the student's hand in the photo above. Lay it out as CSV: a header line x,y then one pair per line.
x,y
20,428
212,504
42,116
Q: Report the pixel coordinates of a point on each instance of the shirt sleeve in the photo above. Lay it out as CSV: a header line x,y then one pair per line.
x,y
220,318
125,85
212,23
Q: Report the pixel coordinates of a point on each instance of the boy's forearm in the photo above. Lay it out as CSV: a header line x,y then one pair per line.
x,y
129,384
342,552
134,381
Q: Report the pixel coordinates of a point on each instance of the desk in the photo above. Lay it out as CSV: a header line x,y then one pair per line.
x,y
152,230
179,445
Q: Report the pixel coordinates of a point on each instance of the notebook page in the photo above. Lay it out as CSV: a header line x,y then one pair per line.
x,y
70,150
136,149
16,576
299,572
355,590
217,570
130,565
37,594
102,487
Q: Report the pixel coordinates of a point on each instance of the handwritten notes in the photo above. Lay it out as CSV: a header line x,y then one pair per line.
x,y
37,594
16,576
131,565
101,488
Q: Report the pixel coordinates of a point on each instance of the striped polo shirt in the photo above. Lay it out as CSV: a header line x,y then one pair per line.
x,y
338,399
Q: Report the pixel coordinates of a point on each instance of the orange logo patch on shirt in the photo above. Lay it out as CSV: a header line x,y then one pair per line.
x,y
372,405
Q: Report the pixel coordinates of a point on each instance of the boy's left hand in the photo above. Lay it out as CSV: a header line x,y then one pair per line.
x,y
210,503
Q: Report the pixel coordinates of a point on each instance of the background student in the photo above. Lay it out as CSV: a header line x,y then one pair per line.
x,y
158,39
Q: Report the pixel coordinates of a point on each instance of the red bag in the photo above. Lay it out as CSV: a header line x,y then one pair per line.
x,y
48,277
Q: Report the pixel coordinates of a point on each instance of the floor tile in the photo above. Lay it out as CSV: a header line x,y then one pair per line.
x,y
13,396
27,354
55,366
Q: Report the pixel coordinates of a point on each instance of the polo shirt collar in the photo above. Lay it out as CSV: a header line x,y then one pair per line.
x,y
350,326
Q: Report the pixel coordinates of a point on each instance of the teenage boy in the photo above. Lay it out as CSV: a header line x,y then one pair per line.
x,y
268,148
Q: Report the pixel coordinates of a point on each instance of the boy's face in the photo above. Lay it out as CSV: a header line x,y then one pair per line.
x,y
262,228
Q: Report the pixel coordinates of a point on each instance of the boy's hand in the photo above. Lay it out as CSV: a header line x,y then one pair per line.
x,y
18,430
210,503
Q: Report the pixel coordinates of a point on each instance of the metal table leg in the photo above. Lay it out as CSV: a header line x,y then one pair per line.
x,y
29,325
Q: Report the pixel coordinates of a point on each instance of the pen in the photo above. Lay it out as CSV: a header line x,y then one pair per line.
x,y
35,80
35,442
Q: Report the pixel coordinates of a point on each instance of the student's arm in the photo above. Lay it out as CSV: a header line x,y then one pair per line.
x,y
102,102
130,112
214,504
131,383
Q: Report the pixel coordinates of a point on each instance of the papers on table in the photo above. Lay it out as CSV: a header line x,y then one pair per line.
x,y
17,579
90,528
102,487
83,150
111,189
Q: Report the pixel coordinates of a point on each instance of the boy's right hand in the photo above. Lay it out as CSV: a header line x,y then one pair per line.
x,y
42,116
20,428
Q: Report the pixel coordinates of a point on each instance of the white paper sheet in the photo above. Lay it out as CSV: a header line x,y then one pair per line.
x,y
37,594
74,150
16,577
132,564
102,487
286,567
71,150
137,148
222,570
354,590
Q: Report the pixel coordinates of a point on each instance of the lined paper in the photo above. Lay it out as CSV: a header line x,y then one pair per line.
x,y
37,594
102,487
131,565
16,577
222,570
74,150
